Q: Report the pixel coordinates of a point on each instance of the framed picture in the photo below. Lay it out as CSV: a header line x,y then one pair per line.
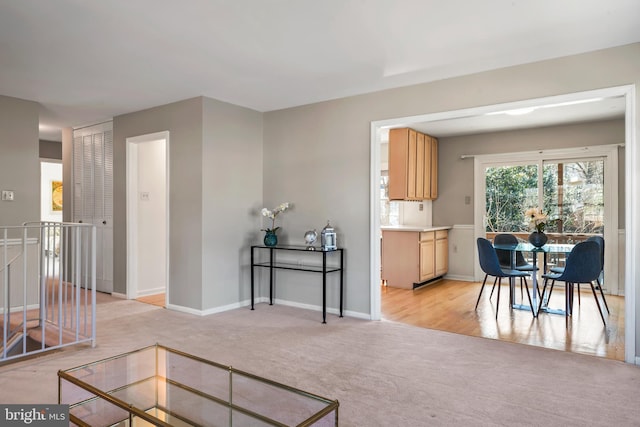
x,y
56,196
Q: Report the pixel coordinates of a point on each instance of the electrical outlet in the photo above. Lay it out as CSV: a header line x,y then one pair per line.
x,y
467,200
421,207
7,195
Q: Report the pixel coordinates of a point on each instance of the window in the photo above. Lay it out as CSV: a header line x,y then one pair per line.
x,y
572,192
510,191
574,195
389,211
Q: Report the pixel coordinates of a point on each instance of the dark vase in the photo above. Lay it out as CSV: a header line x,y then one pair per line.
x,y
537,239
270,238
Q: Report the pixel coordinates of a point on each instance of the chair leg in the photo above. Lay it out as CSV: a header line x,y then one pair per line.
x,y
480,294
539,294
553,282
493,287
571,297
544,289
603,298
567,304
498,302
598,303
578,286
533,310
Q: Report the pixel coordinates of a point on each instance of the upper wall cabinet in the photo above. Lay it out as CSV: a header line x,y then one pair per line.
x,y
413,165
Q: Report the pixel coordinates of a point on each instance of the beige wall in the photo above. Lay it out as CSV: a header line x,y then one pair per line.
x,y
215,187
183,120
318,156
231,200
50,149
19,164
456,174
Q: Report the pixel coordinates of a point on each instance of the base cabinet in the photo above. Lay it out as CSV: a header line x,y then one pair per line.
x,y
442,253
410,258
427,256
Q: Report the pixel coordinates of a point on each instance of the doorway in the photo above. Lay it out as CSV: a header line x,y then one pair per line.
x,y
148,216
51,208
51,190
467,234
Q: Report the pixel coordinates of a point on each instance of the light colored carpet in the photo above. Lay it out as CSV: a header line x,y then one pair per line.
x,y
383,373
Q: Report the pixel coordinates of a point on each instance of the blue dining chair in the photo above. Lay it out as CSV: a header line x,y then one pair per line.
x,y
600,241
583,265
505,256
491,267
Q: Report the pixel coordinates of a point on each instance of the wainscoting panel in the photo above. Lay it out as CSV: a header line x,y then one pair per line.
x,y
462,252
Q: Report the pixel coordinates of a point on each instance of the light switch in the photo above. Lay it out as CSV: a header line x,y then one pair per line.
x,y
7,195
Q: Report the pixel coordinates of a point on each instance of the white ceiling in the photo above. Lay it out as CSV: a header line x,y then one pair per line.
x,y
88,61
546,115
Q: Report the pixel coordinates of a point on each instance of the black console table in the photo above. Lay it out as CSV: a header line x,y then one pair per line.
x,y
273,264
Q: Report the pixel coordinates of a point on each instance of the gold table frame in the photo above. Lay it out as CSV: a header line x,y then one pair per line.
x,y
161,386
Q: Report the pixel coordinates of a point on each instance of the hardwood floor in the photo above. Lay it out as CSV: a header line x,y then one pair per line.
x,y
157,299
448,305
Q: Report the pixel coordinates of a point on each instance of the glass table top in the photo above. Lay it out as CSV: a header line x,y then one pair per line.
x,y
160,386
528,247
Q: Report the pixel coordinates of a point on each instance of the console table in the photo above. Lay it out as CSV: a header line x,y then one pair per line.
x,y
273,265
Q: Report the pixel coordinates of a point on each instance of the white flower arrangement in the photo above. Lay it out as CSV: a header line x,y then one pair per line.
x,y
537,219
272,214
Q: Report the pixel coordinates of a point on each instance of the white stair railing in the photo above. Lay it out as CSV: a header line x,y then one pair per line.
x,y
48,288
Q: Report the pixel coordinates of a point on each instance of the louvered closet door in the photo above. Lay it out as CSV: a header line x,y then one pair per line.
x,y
93,194
103,216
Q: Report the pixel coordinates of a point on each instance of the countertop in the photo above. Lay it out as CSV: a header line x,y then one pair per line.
x,y
414,228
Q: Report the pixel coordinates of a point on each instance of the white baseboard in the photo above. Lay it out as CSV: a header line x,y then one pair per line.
x,y
20,308
258,300
154,291
118,295
330,310
214,310
461,278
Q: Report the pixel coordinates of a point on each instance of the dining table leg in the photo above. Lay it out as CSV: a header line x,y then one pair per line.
x,y
534,279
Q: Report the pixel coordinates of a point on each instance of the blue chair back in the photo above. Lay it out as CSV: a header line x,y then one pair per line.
x,y
583,263
504,257
600,241
488,258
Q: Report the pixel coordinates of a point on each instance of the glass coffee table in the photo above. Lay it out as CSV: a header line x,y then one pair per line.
x,y
160,386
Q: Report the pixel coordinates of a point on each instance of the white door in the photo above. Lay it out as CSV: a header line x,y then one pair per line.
x,y
93,193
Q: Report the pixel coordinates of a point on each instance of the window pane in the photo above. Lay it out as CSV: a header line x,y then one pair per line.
x,y
574,194
510,191
389,211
